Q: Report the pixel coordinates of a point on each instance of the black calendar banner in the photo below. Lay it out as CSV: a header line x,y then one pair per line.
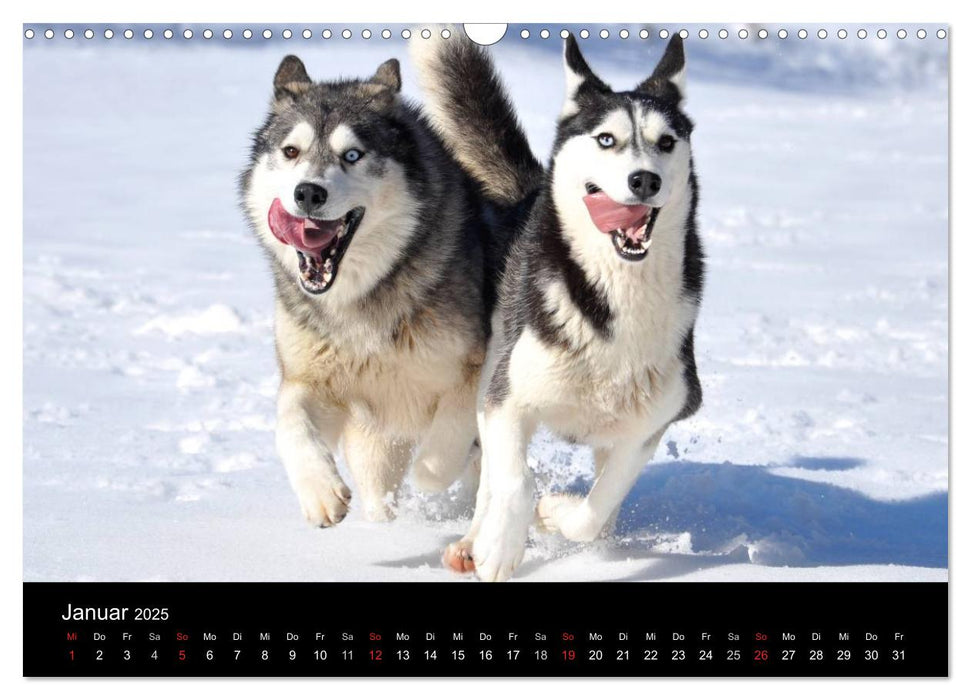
x,y
568,629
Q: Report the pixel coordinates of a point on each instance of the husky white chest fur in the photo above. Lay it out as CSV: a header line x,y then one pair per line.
x,y
597,385
594,329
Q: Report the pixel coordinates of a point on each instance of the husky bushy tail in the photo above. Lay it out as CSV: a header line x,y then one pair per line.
x,y
469,108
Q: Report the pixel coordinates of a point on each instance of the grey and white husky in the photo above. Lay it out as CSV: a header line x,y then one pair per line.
x,y
593,334
375,239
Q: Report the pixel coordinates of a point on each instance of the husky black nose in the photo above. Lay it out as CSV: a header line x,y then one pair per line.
x,y
309,196
644,183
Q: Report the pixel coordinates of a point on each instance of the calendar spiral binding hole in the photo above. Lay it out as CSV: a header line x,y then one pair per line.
x,y
584,33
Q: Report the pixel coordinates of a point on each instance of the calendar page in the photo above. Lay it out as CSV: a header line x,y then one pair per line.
x,y
335,335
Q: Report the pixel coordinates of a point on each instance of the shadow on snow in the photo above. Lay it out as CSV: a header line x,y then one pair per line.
x,y
781,520
739,513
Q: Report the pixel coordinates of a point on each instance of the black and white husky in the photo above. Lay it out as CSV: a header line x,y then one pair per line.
x,y
593,335
375,237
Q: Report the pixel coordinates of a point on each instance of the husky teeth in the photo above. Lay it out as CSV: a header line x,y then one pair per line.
x,y
318,270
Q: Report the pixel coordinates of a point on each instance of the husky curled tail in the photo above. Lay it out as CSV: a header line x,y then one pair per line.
x,y
468,106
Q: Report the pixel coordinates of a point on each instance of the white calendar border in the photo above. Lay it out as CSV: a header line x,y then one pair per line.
x,y
443,10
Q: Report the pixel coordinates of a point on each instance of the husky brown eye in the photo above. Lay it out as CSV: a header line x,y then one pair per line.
x,y
666,143
290,152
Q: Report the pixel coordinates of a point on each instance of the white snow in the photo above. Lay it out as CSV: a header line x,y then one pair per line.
x,y
218,318
821,452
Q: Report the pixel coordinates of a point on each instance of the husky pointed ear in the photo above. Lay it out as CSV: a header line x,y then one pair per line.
x,y
668,78
389,75
579,77
291,79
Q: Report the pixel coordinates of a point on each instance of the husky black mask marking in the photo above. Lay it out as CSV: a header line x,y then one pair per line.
x,y
642,128
594,98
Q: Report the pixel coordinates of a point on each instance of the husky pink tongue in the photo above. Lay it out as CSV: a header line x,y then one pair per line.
x,y
609,216
309,236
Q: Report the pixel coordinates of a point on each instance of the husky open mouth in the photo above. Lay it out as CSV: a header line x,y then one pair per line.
x,y
629,226
320,244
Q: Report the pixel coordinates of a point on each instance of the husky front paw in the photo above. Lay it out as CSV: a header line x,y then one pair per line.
x,y
501,542
430,480
458,557
379,509
324,501
568,515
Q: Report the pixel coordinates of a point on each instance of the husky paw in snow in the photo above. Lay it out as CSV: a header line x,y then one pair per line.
x,y
324,501
428,480
458,557
499,547
568,515
559,513
380,512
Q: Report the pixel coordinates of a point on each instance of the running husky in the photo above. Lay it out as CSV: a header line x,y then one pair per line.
x,y
374,236
593,334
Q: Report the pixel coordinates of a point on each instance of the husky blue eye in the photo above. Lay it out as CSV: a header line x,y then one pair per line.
x,y
605,140
353,155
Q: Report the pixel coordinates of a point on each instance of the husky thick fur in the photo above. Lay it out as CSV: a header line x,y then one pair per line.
x,y
593,334
374,237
